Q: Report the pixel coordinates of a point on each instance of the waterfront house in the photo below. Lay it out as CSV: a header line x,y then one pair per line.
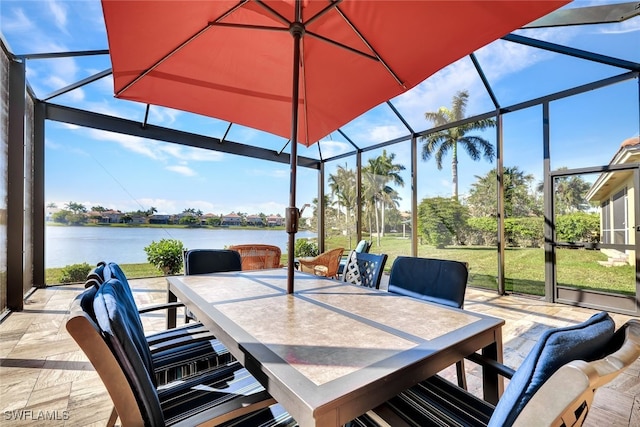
x,y
231,219
275,220
255,220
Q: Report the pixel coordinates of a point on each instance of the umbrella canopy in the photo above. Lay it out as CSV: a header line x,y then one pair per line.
x,y
233,59
294,68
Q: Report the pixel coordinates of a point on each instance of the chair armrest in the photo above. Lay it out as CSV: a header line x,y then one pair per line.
x,y
488,363
164,306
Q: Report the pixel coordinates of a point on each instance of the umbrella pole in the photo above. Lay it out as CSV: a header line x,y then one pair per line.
x,y
292,214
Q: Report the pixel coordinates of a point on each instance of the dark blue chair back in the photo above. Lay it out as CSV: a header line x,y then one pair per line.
x,y
203,261
364,269
120,323
436,280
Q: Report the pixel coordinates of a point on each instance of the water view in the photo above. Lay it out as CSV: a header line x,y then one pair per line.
x,y
72,245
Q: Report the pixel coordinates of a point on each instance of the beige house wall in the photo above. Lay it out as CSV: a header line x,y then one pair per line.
x,y
631,220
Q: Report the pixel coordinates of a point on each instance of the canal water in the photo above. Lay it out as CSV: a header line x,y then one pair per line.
x,y
73,245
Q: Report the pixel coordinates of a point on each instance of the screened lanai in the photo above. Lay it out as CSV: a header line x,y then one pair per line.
x,y
562,91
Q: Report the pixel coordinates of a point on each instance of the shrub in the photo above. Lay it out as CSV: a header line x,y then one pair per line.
x,y
578,227
524,232
306,248
75,273
166,255
442,221
482,231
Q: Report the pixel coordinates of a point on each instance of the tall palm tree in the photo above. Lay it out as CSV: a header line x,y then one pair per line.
x,y
440,143
378,174
343,188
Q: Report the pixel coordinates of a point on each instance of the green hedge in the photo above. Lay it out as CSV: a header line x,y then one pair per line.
x,y
528,232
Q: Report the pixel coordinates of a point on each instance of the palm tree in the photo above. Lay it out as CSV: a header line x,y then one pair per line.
x,y
569,193
343,187
440,143
378,174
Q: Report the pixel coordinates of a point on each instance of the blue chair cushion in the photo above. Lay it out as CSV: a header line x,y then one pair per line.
x,y
555,348
86,301
362,244
120,323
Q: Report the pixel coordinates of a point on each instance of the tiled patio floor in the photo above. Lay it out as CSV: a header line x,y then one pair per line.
x,y
46,380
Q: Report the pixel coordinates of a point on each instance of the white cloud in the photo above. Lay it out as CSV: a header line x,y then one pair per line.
x,y
330,147
160,151
18,22
182,170
59,13
385,133
166,116
185,153
628,26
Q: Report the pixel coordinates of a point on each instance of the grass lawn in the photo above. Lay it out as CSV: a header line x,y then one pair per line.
x,y
524,267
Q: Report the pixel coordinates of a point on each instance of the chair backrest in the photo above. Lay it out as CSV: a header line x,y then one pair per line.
x,y
565,398
331,259
258,256
556,347
326,263
364,269
436,280
363,246
202,261
87,335
118,320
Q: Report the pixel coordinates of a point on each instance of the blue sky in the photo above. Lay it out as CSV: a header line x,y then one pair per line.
x,y
128,173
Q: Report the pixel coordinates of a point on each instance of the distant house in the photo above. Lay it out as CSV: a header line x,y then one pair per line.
x,y
275,220
138,219
206,217
231,219
255,220
159,219
614,192
48,215
105,217
113,216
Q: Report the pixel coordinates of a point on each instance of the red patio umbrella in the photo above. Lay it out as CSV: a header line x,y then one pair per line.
x,y
246,61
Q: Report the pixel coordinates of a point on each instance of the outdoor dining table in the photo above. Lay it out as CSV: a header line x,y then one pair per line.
x,y
331,351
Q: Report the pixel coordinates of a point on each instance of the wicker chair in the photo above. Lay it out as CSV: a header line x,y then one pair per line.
x,y
325,264
257,256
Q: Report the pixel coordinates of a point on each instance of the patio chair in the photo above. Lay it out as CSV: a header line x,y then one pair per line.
x,y
203,261
116,346
554,386
177,353
364,269
258,256
363,246
435,280
325,264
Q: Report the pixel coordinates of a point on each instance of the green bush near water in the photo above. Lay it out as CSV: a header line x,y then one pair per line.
x,y
306,248
74,273
166,255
